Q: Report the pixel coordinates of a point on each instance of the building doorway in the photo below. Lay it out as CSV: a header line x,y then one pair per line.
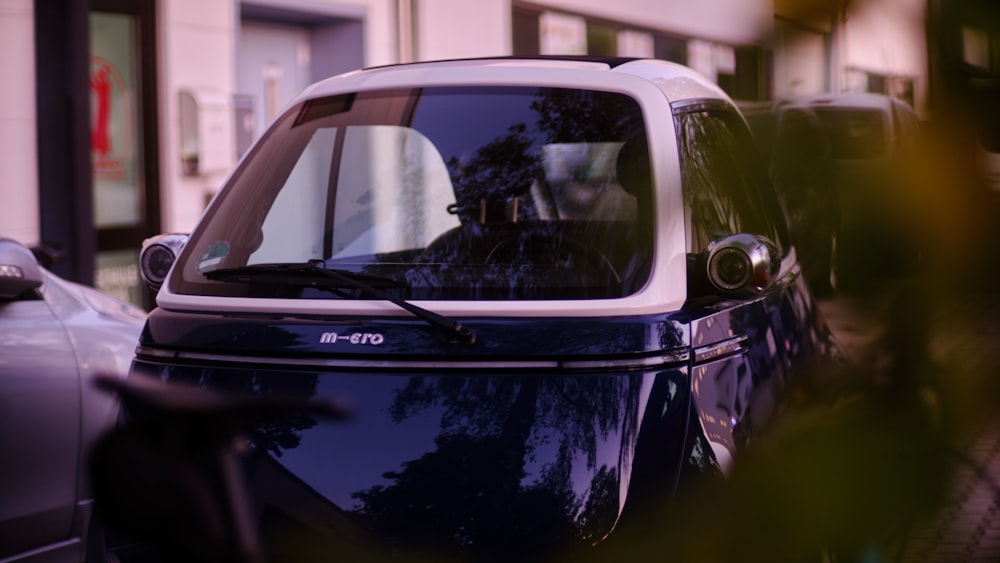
x,y
281,51
125,174
97,139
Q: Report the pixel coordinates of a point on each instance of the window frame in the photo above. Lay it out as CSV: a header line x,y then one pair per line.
x,y
760,190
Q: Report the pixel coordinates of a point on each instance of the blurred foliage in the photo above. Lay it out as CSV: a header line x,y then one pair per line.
x,y
858,464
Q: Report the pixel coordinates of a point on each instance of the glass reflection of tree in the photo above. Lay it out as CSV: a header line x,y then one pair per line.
x,y
487,187
461,495
497,172
502,168
706,152
470,491
275,434
572,116
595,520
284,432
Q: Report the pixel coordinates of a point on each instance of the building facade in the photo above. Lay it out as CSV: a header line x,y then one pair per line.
x,y
125,116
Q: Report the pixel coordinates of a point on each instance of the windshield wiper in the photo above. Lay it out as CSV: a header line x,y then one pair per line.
x,y
293,274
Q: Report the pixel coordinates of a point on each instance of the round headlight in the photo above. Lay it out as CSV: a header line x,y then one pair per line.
x,y
730,269
742,264
155,263
158,256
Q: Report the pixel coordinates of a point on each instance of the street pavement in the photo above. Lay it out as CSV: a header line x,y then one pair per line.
x,y
962,349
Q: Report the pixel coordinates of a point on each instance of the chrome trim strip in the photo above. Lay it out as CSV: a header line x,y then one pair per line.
x,y
667,358
68,548
367,363
700,104
155,352
727,347
653,299
679,356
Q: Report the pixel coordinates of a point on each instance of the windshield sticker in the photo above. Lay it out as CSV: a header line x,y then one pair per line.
x,y
212,257
355,338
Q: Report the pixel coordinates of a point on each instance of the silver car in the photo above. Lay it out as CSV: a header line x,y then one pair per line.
x,y
54,337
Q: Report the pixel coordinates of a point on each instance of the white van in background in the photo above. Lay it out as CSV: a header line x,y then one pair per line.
x,y
843,195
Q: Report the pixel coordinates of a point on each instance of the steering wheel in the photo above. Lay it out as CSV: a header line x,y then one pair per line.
x,y
558,249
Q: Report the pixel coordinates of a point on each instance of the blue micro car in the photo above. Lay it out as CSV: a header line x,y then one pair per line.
x,y
551,291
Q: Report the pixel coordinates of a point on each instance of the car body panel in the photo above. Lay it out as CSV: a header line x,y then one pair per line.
x,y
39,379
745,359
429,418
52,342
513,461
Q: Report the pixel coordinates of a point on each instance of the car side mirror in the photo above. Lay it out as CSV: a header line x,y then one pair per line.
x,y
742,265
19,270
157,257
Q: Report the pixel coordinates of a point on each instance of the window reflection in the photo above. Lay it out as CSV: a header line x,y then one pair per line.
x,y
726,190
456,193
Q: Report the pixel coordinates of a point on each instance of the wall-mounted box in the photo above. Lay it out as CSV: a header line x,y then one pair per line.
x,y
206,132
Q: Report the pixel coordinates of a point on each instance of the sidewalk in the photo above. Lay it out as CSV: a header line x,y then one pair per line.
x,y
964,347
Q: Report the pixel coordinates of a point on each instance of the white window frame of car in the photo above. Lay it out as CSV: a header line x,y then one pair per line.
x,y
789,259
666,289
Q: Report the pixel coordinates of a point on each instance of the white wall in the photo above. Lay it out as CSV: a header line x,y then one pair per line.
x,y
381,45
449,29
800,61
381,36
464,28
197,52
888,37
885,37
19,215
727,21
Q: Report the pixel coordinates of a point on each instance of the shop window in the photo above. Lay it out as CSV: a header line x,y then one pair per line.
x,y
748,77
602,39
670,48
526,39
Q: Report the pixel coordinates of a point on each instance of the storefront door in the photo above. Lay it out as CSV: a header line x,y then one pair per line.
x,y
123,142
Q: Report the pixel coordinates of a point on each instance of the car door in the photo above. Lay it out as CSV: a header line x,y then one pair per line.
x,y
39,426
743,346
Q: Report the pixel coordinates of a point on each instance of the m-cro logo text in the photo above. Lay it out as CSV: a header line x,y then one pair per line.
x,y
372,338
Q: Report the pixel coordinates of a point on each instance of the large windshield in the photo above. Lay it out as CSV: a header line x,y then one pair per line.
x,y
449,193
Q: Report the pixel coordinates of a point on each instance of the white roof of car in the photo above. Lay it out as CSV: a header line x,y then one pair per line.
x,y
678,82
